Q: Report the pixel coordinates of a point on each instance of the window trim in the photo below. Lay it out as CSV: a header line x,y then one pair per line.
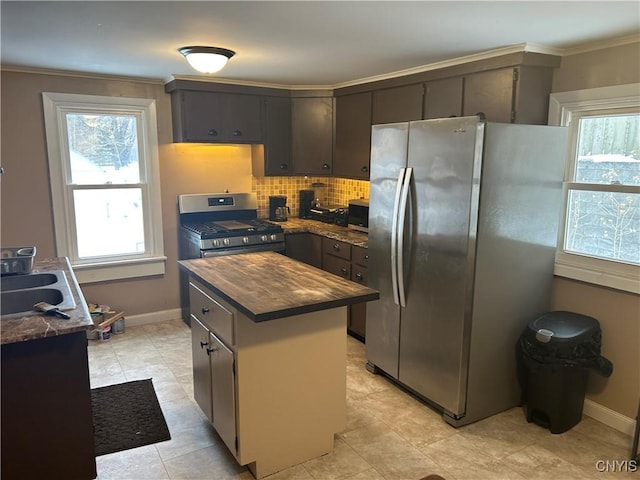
x,y
152,262
562,107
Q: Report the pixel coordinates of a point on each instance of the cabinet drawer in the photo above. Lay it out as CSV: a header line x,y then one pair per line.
x,y
337,266
211,313
360,256
336,247
359,274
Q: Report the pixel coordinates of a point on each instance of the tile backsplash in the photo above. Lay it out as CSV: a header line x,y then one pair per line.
x,y
338,191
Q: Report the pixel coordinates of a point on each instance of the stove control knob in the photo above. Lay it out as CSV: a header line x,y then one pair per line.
x,y
264,238
216,242
245,240
226,241
273,237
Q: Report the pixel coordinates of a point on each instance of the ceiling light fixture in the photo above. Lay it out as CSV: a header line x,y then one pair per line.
x,y
207,59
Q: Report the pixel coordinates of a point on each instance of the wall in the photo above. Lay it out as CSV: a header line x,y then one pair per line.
x,y
25,208
618,312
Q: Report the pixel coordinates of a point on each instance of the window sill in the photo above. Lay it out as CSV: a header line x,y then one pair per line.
x,y
119,270
626,282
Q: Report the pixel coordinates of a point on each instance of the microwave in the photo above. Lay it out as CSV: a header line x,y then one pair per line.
x,y
358,218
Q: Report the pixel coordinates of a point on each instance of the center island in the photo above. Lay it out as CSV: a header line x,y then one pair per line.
x,y
269,355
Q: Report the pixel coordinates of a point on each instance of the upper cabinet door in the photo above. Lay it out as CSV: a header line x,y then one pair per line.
x,y
353,136
217,117
277,136
490,93
312,135
398,104
443,98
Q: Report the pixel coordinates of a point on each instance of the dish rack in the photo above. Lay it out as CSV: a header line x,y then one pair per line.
x,y
16,260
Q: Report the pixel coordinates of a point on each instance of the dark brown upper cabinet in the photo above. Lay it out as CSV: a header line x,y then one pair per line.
x,y
312,135
398,104
353,136
443,98
273,156
509,95
215,117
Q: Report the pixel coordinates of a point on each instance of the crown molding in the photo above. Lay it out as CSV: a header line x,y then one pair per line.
x,y
71,73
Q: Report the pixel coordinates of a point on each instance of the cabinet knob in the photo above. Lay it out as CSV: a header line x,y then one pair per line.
x,y
284,166
344,271
205,310
203,344
236,133
336,247
212,133
364,169
359,276
366,257
326,166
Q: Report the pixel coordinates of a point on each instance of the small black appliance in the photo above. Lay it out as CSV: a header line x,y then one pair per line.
x,y
276,205
306,201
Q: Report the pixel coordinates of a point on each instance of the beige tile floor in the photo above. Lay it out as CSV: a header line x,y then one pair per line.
x,y
389,434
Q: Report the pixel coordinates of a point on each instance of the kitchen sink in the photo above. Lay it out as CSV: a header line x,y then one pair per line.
x,y
19,282
20,293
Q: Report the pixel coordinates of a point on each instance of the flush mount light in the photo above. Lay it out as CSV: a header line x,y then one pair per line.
x,y
207,59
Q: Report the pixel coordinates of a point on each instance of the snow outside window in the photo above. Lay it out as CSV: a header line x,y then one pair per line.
x,y
601,233
105,184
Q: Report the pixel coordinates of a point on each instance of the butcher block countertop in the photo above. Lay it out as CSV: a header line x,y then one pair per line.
x,y
268,285
32,327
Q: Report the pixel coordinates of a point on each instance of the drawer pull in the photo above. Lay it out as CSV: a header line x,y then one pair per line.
x,y
336,247
205,310
212,133
344,271
237,133
210,350
203,344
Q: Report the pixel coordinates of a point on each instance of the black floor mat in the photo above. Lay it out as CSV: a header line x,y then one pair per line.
x,y
127,415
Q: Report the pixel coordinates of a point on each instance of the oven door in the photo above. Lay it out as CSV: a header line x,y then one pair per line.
x,y
270,247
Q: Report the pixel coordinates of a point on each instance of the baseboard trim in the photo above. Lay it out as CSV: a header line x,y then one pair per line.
x,y
153,317
609,417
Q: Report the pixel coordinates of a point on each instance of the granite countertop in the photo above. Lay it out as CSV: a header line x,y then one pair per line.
x,y
330,230
31,327
268,285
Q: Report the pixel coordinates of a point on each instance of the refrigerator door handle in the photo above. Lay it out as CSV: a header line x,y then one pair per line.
x,y
394,237
401,217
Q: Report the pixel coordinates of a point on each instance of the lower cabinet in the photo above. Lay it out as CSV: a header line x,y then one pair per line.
x,y
348,261
274,390
214,381
47,421
304,247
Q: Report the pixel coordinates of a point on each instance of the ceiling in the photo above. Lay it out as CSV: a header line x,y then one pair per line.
x,y
298,44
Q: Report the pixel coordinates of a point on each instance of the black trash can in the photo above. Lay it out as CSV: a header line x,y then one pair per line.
x,y
555,354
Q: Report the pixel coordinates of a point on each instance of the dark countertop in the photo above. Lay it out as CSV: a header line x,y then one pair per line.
x,y
31,327
268,285
330,230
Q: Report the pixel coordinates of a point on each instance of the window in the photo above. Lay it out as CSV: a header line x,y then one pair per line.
x,y
601,236
103,162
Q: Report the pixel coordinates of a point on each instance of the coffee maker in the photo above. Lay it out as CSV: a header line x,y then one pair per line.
x,y
278,208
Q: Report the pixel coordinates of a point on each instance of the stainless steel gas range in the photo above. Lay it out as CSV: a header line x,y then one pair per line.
x,y
221,224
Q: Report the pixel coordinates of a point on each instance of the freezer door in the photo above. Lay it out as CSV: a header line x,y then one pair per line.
x,y
439,245
388,159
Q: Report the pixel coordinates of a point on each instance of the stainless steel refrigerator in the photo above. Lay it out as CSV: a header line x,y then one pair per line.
x,y
463,224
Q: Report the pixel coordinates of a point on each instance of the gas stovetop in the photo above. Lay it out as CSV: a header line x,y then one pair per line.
x,y
232,228
224,223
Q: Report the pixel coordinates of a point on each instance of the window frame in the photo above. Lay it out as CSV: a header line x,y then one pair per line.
x,y
563,108
152,260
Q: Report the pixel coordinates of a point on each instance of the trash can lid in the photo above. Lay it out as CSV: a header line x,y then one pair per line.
x,y
562,326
